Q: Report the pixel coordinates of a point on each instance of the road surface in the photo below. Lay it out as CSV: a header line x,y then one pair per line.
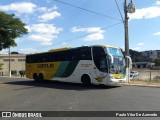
x,y
20,94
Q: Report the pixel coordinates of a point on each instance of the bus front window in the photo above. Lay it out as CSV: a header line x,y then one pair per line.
x,y
118,65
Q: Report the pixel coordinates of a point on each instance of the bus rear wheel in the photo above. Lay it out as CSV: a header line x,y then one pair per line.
x,y
35,77
85,79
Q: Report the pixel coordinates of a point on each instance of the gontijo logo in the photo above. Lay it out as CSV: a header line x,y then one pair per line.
x,y
45,65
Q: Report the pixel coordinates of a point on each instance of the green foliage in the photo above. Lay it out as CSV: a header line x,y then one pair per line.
x,y
10,29
134,55
157,62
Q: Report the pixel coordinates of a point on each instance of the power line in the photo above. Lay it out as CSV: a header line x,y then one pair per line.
x,y
119,11
78,37
86,10
83,36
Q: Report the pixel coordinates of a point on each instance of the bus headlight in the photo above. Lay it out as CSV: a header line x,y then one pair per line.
x,y
111,77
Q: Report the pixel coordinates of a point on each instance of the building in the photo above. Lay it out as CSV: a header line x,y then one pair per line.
x,y
143,65
152,54
17,63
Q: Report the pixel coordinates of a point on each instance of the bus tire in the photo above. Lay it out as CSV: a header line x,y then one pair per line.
x,y
85,79
41,78
35,77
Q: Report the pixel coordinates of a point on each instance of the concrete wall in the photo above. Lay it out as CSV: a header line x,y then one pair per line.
x,y
17,62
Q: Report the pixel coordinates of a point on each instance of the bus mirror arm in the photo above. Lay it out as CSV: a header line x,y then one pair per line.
x,y
111,58
130,61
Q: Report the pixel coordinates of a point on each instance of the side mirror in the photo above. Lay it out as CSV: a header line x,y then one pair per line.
x,y
130,61
112,60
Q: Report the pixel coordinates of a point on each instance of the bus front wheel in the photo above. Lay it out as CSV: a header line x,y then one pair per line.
x,y
41,78
85,79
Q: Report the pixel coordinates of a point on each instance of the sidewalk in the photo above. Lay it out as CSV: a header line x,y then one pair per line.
x,y
13,76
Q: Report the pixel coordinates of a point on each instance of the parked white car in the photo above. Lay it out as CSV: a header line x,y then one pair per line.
x,y
134,75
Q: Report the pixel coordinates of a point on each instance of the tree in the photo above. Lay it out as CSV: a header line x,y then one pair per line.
x,y
157,62
10,29
134,55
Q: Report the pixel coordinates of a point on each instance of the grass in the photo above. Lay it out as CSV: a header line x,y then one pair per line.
x,y
145,82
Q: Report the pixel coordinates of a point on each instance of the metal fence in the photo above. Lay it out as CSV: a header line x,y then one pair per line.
x,y
148,75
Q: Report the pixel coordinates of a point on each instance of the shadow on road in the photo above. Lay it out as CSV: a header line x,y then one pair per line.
x,y
59,85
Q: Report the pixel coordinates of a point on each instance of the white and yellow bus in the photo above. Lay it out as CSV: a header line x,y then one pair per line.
x,y
98,64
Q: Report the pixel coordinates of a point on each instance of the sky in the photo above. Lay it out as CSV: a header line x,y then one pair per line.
x,y
73,23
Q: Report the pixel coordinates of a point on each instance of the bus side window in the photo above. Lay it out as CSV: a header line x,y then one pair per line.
x,y
29,59
85,53
72,55
67,56
52,57
76,55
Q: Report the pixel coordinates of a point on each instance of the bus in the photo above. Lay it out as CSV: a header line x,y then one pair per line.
x,y
97,64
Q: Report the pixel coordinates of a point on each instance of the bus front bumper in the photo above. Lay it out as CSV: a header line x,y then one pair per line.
x,y
116,81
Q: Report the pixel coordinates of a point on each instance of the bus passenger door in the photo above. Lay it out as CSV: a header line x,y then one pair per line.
x,y
100,67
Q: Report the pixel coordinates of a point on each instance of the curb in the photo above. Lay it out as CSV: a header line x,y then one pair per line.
x,y
11,77
141,85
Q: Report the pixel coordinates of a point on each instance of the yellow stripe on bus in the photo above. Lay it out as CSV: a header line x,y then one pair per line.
x,y
48,69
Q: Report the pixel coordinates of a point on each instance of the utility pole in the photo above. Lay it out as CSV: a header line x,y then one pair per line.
x,y
9,62
126,29
126,40
128,8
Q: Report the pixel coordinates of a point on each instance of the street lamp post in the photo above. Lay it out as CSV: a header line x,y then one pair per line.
x,y
128,8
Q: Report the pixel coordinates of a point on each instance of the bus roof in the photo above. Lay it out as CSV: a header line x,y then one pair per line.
x,y
68,48
107,46
59,49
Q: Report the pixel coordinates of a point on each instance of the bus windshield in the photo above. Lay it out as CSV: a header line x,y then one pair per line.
x,y
118,65
114,52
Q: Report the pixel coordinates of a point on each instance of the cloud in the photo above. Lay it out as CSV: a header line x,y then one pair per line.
x,y
28,28
49,16
48,1
20,8
44,28
4,51
43,33
146,13
45,9
157,34
136,48
45,39
64,43
95,33
49,13
95,36
27,50
42,9
158,2
140,44
18,40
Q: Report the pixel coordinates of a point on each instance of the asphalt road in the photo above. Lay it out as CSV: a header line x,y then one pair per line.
x,y
18,94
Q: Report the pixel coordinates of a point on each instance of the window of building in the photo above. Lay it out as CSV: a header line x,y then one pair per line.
x,y
21,60
7,60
